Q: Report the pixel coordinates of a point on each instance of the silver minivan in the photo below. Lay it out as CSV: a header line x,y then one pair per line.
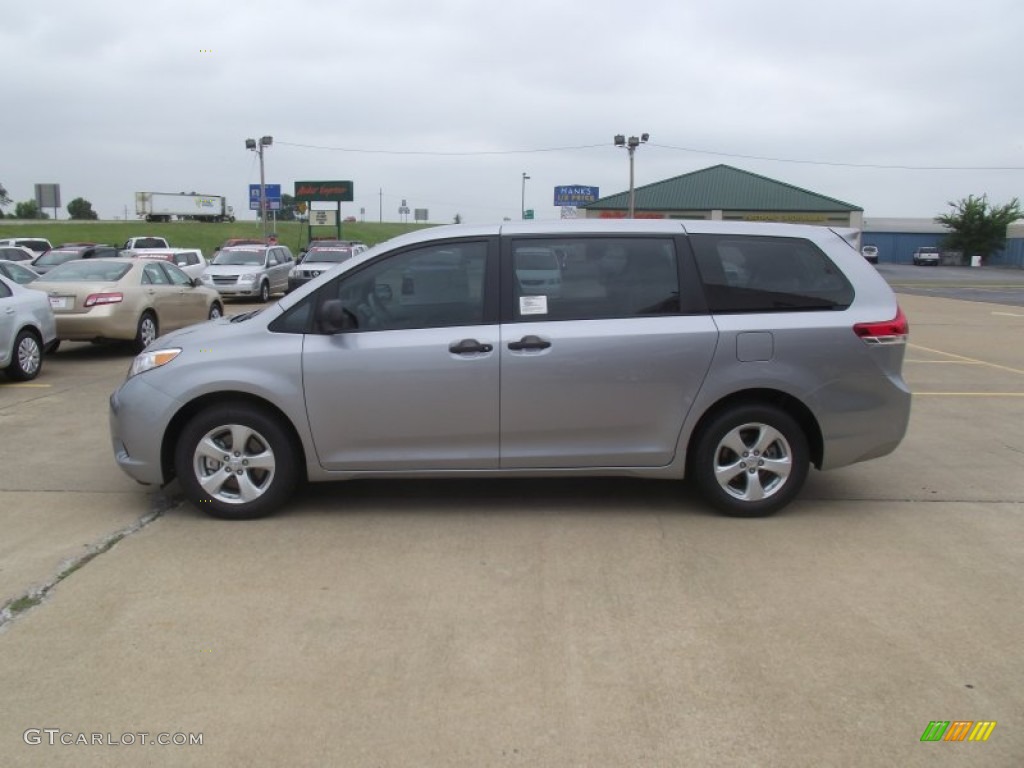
x,y
736,354
249,271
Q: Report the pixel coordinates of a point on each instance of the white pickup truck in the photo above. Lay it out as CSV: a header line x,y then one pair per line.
x,y
146,241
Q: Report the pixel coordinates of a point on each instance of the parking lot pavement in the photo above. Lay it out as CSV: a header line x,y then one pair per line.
x,y
984,284
589,622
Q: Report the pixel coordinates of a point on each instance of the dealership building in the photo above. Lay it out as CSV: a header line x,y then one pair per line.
x,y
724,193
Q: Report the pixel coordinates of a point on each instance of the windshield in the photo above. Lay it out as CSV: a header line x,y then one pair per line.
x,y
86,270
19,274
53,258
328,255
239,257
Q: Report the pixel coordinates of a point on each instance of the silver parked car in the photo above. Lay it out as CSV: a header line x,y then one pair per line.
x,y
27,328
736,354
250,270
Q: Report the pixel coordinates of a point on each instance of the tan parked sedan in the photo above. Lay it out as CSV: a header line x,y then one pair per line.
x,y
130,299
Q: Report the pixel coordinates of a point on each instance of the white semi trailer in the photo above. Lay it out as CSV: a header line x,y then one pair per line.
x,y
167,206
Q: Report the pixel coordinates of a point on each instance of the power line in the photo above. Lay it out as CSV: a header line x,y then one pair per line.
x,y
693,150
843,165
441,154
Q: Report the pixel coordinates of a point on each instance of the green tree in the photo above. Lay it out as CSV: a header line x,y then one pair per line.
x,y
287,212
457,219
978,228
28,209
5,199
81,209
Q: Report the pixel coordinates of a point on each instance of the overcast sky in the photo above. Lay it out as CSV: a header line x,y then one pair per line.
x,y
446,104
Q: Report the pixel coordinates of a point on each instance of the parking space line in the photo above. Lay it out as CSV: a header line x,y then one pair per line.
x,y
26,385
968,394
968,359
947,362
1008,314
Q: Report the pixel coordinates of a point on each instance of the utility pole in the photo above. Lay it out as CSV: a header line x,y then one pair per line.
x,y
258,148
630,146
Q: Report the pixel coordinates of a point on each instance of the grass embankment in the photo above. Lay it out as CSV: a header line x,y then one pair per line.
x,y
191,234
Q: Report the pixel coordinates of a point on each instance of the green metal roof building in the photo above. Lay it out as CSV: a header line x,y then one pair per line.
x,y
724,193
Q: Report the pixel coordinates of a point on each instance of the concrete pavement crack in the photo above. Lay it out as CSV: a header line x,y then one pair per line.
x,y
24,603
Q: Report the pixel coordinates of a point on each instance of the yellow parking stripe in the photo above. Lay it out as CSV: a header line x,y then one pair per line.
x,y
947,362
968,359
26,385
968,394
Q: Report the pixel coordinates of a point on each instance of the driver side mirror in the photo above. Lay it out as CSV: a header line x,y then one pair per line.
x,y
334,316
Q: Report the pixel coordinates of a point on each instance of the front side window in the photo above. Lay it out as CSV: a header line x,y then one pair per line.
x,y
593,278
432,286
768,274
176,276
153,275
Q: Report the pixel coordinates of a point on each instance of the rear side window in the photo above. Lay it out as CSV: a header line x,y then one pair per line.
x,y
594,278
768,274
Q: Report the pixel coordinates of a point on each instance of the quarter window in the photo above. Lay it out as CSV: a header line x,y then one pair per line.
x,y
768,274
591,278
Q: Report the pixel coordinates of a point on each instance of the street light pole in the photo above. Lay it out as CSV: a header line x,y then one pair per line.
x,y
522,207
258,147
630,146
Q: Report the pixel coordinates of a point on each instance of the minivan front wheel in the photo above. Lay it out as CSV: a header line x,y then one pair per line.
x,y
751,461
235,462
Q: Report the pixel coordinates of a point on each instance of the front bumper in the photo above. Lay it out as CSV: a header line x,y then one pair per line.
x,y
236,289
139,416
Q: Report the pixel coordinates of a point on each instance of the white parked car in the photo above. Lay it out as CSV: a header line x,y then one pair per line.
x,y
27,327
188,260
37,245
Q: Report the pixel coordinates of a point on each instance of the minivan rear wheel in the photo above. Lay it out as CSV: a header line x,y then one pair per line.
x,y
236,462
751,460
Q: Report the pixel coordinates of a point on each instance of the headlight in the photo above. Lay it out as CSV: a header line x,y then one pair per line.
x,y
293,272
247,279
206,278
147,361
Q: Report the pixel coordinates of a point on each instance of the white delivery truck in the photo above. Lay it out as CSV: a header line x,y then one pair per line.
x,y
166,206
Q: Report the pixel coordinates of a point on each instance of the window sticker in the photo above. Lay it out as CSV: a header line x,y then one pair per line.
x,y
533,305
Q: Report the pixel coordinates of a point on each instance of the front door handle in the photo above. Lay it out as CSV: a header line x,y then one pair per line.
x,y
529,342
468,347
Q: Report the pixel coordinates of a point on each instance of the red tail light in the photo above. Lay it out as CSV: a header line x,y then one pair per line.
x,y
103,298
893,331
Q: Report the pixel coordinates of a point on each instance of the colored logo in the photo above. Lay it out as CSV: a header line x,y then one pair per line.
x,y
958,730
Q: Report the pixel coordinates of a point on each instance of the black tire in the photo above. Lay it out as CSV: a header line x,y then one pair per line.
x,y
264,292
27,358
216,310
146,331
744,489
264,437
